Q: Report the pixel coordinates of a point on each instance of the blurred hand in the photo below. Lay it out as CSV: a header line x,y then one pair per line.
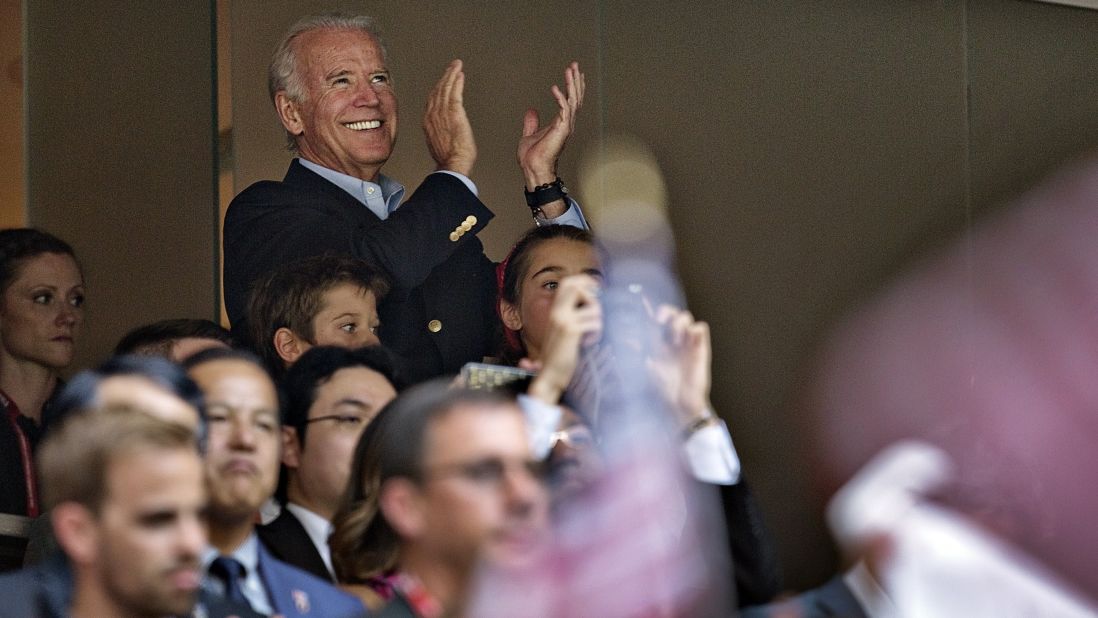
x,y
681,365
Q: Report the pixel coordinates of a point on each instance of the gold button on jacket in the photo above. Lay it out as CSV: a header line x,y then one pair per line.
x,y
434,326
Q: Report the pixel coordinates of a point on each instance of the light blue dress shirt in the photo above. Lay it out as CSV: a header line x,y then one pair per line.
x,y
385,196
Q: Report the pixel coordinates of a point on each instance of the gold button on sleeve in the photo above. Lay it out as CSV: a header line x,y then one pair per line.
x,y
434,326
471,220
454,236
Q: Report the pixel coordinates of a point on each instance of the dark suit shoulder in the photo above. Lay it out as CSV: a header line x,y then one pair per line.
x,y
41,591
287,540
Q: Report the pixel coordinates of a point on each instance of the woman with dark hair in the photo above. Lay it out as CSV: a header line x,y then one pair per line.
x,y
41,312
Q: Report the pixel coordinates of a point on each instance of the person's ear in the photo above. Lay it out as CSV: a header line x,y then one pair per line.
x,y
289,113
291,448
77,531
289,346
512,317
401,503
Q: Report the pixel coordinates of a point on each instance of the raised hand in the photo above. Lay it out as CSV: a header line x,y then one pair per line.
x,y
682,364
541,145
449,134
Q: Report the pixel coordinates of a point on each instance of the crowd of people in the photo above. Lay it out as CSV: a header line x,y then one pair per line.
x,y
321,459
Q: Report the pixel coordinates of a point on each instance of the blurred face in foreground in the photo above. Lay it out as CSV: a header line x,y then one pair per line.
x,y
481,494
143,545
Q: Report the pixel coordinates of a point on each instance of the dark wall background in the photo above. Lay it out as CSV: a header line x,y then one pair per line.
x,y
121,156
810,150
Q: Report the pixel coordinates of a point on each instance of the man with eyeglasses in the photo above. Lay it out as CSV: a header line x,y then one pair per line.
x,y
331,395
458,487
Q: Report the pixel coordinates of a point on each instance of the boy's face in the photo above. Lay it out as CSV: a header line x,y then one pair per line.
x,y
347,318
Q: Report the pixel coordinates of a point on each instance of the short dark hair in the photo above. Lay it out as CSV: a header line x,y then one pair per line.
x,y
291,296
392,445
316,367
19,244
82,391
213,355
218,354
159,337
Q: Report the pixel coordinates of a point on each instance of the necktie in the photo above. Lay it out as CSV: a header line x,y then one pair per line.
x,y
231,573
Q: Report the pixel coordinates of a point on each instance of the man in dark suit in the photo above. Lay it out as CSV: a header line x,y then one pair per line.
x,y
241,471
332,90
331,395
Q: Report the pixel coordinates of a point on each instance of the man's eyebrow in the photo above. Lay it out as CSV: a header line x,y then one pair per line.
x,y
339,72
157,516
595,272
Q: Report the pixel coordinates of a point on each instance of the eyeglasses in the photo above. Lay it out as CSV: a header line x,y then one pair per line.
x,y
347,421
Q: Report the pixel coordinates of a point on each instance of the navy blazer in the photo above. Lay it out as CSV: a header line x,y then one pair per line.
x,y
440,313
294,592
45,590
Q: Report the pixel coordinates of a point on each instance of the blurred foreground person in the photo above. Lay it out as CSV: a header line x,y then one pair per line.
x,y
174,339
241,466
332,395
552,313
127,500
986,351
444,482
151,383
41,313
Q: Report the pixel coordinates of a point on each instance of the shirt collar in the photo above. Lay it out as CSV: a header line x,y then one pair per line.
x,y
382,197
247,553
318,529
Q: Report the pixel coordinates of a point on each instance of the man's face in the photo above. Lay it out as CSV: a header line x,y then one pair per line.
x,y
480,495
347,120
242,453
344,405
151,530
347,318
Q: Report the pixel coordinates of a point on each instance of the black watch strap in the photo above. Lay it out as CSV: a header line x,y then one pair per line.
x,y
546,193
